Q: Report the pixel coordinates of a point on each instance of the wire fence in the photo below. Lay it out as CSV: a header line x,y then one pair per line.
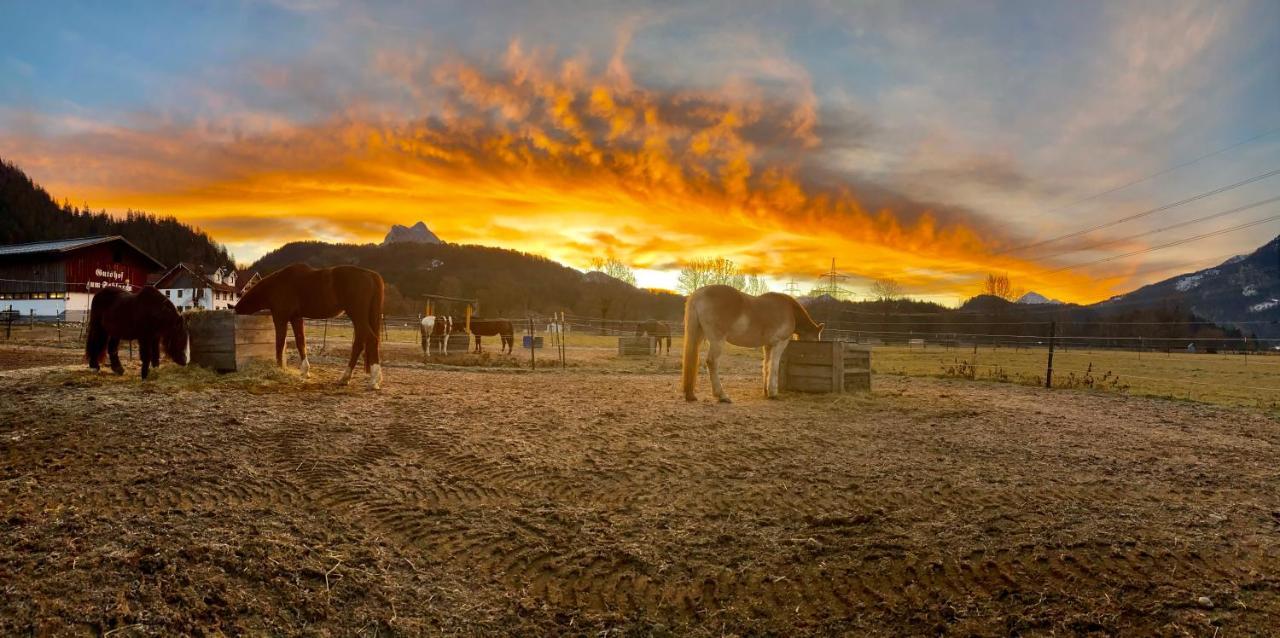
x,y
1221,370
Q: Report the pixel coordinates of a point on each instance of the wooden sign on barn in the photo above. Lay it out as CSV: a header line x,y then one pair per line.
x,y
225,341
825,366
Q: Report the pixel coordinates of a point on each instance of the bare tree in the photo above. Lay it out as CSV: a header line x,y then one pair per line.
x,y
998,286
707,272
614,268
755,285
886,289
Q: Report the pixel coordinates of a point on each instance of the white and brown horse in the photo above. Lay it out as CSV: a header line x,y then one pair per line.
x,y
722,313
436,329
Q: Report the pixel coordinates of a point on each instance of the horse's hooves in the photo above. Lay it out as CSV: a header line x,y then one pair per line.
x,y
690,398
726,400
118,371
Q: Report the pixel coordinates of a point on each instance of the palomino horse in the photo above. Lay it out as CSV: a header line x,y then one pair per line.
x,y
721,313
436,329
657,330
491,327
146,316
298,291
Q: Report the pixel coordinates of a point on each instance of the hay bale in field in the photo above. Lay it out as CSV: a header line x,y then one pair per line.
x,y
825,366
226,342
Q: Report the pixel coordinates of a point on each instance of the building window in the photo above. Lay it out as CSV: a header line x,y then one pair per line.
x,y
179,294
166,293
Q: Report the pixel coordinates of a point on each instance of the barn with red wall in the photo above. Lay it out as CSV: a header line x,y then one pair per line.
x,y
58,278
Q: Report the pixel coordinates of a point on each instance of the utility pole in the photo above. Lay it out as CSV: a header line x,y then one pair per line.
x,y
792,288
832,279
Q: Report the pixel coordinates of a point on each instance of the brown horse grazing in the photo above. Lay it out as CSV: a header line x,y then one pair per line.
x,y
491,327
657,330
298,291
721,313
147,316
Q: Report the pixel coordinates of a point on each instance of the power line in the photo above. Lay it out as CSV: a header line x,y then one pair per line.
x,y
1166,171
1171,244
1145,213
833,279
1162,229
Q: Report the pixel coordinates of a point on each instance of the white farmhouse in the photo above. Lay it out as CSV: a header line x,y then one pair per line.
x,y
189,286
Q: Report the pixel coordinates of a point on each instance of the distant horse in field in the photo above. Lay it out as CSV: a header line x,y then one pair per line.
x,y
722,313
147,316
657,330
491,327
436,329
298,291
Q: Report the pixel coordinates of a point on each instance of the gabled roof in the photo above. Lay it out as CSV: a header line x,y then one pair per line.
x,y
62,246
167,278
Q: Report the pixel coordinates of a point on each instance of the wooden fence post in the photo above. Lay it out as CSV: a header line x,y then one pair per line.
x,y
1048,371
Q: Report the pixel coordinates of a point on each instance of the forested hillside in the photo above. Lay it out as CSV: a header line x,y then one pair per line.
x,y
506,282
28,213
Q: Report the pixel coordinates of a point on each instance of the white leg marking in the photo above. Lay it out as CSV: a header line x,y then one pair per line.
x,y
304,368
375,377
187,352
775,367
346,377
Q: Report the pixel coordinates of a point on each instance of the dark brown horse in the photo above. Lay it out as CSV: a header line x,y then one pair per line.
x,y
656,330
298,291
491,327
147,316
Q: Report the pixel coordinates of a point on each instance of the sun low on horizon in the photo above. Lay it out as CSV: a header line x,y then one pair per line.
x,y
1091,149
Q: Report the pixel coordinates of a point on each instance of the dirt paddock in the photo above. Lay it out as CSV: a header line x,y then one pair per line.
x,y
588,502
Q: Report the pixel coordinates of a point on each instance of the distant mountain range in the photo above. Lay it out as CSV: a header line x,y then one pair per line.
x,y
1243,291
507,283
417,234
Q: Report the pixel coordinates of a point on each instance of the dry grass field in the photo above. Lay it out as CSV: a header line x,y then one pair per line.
x,y
474,498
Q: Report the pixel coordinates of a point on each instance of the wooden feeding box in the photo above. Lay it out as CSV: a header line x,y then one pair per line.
x,y
825,366
459,343
635,346
225,341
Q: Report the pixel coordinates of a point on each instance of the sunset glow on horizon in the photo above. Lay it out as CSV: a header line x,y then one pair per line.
x,y
663,136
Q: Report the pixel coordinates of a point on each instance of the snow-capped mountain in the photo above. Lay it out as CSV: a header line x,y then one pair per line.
x,y
1034,297
1245,288
418,233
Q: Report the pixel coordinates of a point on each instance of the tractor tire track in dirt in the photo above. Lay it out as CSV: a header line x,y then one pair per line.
x,y
888,511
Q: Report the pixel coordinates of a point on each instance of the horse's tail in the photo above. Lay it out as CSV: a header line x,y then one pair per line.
x,y
692,340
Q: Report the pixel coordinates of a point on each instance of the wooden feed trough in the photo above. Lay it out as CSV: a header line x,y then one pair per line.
x,y
225,341
635,346
825,366
459,343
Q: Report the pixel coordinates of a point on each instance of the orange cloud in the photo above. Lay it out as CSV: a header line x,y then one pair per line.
x,y
542,155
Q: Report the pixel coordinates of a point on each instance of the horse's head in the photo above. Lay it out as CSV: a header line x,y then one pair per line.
x,y
253,300
177,343
810,331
